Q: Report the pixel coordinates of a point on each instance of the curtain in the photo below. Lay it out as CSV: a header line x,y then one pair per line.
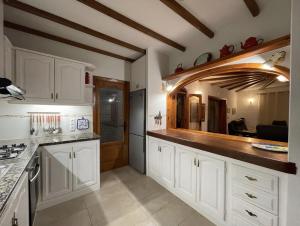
x,y
273,106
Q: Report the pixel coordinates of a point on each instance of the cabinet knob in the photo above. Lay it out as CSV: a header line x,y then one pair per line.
x,y
251,196
74,155
251,178
250,213
14,221
52,95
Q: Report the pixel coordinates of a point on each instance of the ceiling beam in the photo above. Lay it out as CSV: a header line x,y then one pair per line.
x,y
249,85
253,7
49,16
244,83
232,81
63,40
131,23
238,83
268,83
185,14
225,77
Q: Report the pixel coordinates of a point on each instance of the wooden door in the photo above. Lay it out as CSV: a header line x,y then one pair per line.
x,y
210,193
69,82
167,161
154,158
185,174
35,74
57,170
111,121
84,165
217,115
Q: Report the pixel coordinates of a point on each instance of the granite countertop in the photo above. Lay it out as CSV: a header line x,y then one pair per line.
x,y
12,169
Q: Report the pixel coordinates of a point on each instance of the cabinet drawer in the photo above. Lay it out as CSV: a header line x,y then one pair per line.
x,y
237,220
257,197
264,181
253,214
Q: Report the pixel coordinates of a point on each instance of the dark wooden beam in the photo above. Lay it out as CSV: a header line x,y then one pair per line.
x,y
232,81
236,84
268,83
225,77
129,22
249,85
49,16
185,14
244,83
63,40
252,6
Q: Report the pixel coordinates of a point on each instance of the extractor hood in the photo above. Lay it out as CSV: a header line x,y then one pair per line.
x,y
11,90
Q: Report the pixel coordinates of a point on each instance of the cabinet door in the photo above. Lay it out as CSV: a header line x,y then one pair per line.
x,y
154,159
167,162
22,207
211,185
69,82
57,170
85,168
185,174
8,54
35,74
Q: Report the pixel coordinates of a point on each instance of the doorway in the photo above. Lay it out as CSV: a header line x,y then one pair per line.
x,y
216,115
110,118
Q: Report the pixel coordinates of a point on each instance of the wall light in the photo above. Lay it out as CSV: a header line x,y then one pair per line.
x,y
251,101
166,87
281,78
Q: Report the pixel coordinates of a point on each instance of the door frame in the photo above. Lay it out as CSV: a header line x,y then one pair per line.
x,y
222,113
101,82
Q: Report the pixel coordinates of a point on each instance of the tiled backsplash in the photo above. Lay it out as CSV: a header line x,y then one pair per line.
x,y
15,120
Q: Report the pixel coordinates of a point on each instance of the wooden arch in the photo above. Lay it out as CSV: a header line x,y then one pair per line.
x,y
245,69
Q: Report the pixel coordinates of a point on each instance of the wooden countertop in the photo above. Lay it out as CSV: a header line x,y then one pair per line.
x,y
230,146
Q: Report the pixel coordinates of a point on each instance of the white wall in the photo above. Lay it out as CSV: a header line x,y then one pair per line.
x,y
205,89
293,216
157,66
272,22
15,121
105,66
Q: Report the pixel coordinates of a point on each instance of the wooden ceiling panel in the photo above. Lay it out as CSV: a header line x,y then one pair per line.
x,y
249,85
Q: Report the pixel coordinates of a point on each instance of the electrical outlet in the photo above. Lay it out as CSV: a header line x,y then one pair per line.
x,y
72,125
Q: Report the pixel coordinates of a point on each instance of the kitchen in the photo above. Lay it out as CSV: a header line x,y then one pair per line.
x,y
90,125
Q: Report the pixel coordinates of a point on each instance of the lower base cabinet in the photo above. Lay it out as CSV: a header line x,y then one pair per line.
x,y
16,210
69,170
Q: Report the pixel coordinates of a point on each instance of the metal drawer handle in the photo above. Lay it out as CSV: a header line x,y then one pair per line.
x,y
251,178
36,175
251,214
195,162
251,196
14,220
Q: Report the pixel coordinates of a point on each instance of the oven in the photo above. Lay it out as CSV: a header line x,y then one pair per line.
x,y
33,170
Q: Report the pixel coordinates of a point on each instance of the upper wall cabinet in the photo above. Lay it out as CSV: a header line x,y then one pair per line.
x,y
138,74
35,74
50,79
8,57
69,81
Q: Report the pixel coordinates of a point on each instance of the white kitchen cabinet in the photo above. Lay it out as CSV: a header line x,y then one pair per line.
x,y
161,162
85,160
138,74
186,174
210,192
69,82
69,171
17,207
154,159
35,74
8,59
57,170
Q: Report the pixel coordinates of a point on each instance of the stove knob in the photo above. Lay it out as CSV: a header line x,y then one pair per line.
x,y
22,145
4,146
14,145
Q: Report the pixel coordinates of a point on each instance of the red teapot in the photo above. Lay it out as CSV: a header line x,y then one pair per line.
x,y
179,68
226,50
251,42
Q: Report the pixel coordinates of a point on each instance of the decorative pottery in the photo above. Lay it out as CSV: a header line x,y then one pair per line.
x,y
226,50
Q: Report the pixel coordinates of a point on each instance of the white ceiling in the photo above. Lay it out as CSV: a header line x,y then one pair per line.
x,y
150,13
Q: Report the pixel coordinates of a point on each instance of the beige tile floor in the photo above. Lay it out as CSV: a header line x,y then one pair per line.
x,y
126,198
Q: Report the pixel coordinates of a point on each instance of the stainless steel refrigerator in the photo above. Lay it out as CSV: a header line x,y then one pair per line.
x,y
137,130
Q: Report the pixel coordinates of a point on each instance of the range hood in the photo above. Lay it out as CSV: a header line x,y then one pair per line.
x,y
11,90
